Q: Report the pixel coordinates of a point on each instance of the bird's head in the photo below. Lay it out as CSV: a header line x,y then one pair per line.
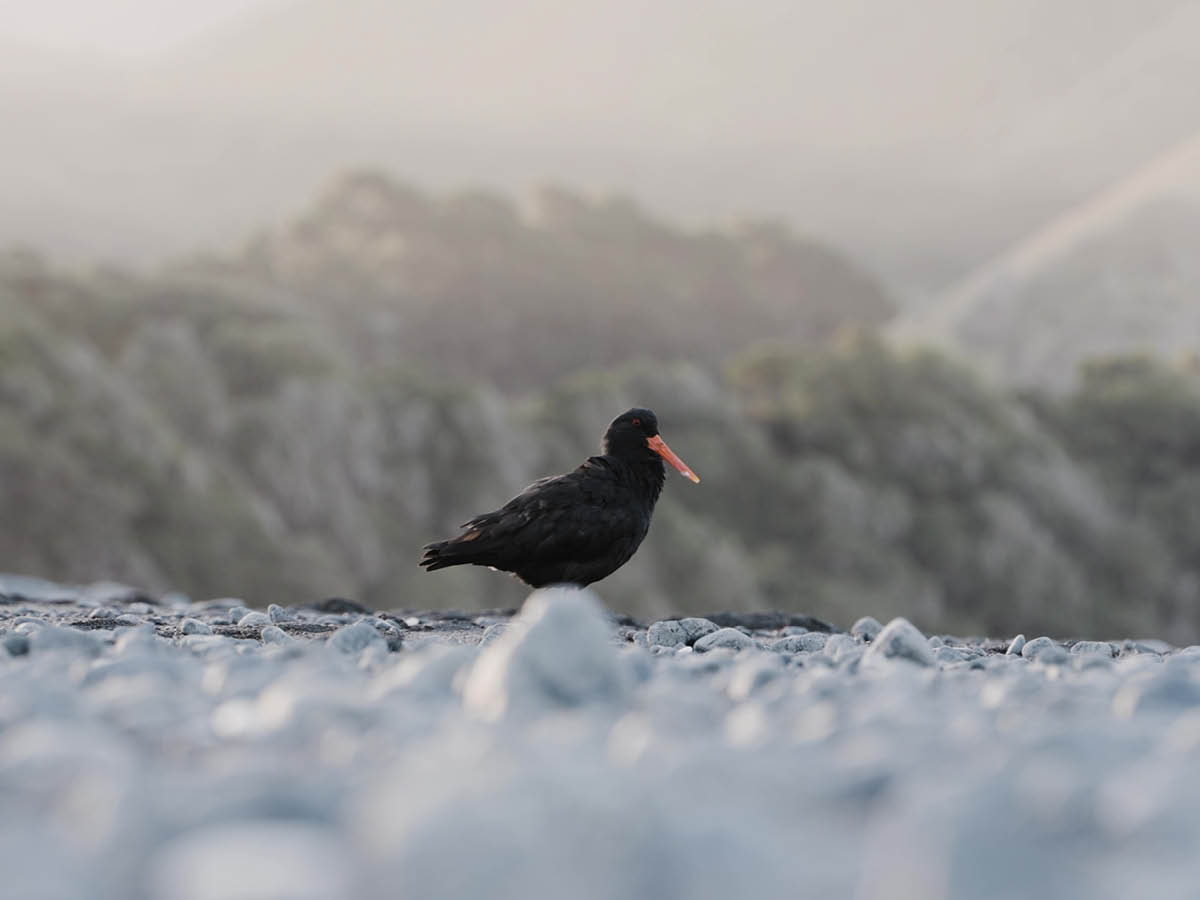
x,y
633,435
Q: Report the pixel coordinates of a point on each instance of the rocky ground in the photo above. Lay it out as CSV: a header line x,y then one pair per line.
x,y
157,748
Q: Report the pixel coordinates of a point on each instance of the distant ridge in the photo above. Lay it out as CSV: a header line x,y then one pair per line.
x,y
1026,258
1107,275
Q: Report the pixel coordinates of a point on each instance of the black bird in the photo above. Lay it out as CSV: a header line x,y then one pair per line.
x,y
575,528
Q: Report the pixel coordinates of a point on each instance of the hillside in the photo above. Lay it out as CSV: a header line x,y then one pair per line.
x,y
171,432
318,401
1115,274
469,287
923,138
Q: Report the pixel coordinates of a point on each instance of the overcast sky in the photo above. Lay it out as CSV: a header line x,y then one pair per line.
x,y
116,27
922,135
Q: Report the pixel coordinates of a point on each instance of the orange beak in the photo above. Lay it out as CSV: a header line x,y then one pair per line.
x,y
659,446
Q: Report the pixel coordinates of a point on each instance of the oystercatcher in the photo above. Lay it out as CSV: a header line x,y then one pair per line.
x,y
575,528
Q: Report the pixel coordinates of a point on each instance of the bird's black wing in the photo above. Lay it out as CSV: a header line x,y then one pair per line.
x,y
571,515
576,516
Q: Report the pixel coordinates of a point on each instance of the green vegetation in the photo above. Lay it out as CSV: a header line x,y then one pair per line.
x,y
237,428
469,288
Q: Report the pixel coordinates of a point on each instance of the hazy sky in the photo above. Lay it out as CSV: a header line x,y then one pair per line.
x,y
116,27
922,135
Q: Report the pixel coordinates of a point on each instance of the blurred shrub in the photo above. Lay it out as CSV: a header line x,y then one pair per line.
x,y
470,288
239,430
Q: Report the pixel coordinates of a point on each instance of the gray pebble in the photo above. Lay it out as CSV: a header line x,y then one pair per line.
x,y
1016,645
1039,645
558,653
278,614
950,655
668,633
52,637
758,670
273,634
16,644
728,638
254,620
1092,661
102,612
901,640
1098,648
695,628
194,626
357,638
838,645
810,642
1168,690
867,628
236,613
491,633
1146,646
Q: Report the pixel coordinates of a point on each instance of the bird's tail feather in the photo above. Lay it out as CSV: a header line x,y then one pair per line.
x,y
443,554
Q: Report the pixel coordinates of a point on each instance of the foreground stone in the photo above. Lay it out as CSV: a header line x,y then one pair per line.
x,y
181,750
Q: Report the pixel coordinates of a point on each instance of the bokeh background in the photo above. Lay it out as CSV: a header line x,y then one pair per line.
x,y
290,287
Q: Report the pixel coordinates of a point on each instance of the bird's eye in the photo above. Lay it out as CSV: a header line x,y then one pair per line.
x,y
637,421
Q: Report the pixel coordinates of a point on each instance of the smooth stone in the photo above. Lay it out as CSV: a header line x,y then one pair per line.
x,y
356,638
207,642
52,637
668,633
268,859
727,638
194,626
139,640
557,653
1016,646
491,634
1146,646
103,612
839,645
254,620
428,674
16,644
747,677
1168,691
278,614
950,655
1053,656
237,612
900,639
1099,648
273,634
696,628
1039,645
810,642
1083,661
867,628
